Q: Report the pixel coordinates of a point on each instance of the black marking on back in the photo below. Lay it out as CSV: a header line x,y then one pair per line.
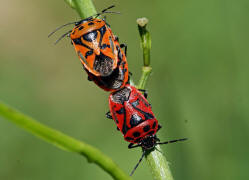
x,y
124,128
91,36
81,27
79,42
146,114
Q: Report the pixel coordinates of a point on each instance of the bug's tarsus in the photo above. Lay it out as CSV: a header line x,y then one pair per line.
x,y
138,162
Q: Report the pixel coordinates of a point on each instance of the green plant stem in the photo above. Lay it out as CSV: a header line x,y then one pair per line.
x,y
62,141
85,8
146,71
155,158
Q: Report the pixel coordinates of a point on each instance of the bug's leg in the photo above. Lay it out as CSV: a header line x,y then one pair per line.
x,y
108,115
145,92
118,129
124,46
130,73
131,145
116,38
89,79
159,127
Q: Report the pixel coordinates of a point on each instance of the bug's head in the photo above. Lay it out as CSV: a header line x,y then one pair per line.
x,y
149,142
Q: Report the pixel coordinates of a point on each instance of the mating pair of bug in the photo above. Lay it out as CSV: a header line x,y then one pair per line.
x,y
105,62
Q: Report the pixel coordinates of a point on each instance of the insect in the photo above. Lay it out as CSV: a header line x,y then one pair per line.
x,y
134,118
119,77
94,44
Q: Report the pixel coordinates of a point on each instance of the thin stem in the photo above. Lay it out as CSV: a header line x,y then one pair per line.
x,y
62,141
85,8
146,46
156,160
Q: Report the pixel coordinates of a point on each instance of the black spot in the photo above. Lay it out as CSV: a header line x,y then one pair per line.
x,y
103,46
129,138
90,36
146,128
88,53
90,23
80,28
73,32
99,21
135,120
136,134
151,132
154,125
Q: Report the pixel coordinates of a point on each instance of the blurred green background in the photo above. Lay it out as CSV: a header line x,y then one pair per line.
x,y
199,88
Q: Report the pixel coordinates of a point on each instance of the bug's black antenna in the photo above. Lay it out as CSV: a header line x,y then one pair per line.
x,y
67,33
172,141
58,28
105,11
138,162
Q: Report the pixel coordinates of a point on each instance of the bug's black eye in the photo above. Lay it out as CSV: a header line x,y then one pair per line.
x,y
90,36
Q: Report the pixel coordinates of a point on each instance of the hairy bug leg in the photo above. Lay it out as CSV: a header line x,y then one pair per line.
x,y
124,46
108,115
145,92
